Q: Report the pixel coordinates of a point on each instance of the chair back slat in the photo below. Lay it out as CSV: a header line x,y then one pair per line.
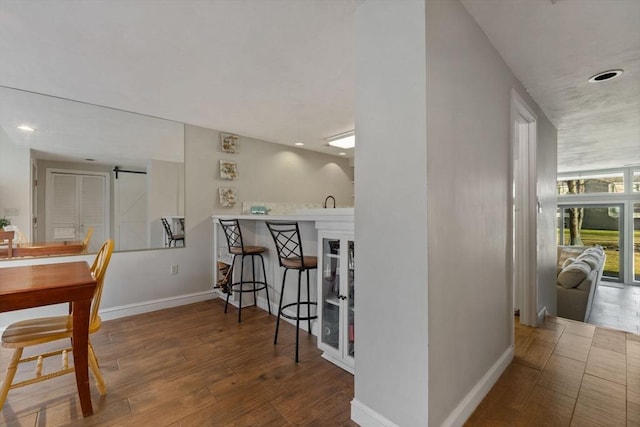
x,y
98,270
286,236
231,228
87,239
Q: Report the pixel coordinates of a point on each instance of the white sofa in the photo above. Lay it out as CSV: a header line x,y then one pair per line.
x,y
579,272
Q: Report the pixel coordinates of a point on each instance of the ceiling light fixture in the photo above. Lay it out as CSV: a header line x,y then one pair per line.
x,y
26,128
344,140
299,144
605,75
342,153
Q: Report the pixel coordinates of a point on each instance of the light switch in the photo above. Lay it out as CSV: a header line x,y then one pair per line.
x,y
11,211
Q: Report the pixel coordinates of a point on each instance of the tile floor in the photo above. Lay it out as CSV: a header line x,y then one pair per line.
x,y
566,374
616,308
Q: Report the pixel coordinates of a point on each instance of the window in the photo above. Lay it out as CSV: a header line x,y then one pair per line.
x,y
603,207
636,242
595,225
591,183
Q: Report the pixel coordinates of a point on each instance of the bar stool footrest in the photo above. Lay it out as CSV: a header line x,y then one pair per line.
x,y
259,286
293,304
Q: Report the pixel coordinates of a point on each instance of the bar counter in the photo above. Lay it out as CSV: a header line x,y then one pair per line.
x,y
255,232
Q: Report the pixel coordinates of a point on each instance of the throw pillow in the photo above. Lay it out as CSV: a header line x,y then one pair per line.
x,y
568,262
568,252
573,274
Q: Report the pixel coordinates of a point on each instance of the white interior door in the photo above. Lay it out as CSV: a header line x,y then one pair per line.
x,y
131,211
74,203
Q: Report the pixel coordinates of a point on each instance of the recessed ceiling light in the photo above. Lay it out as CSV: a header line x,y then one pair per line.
x,y
344,140
299,144
90,160
605,75
342,154
26,128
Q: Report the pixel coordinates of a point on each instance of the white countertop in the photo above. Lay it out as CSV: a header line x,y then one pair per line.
x,y
329,214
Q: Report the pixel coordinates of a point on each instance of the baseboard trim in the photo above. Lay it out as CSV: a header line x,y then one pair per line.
x,y
367,417
154,305
471,401
541,315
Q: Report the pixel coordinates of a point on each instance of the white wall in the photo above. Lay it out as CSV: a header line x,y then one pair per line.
x,y
277,173
15,172
469,200
140,281
391,372
455,200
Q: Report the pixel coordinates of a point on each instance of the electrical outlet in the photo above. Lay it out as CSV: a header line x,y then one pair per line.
x,y
174,269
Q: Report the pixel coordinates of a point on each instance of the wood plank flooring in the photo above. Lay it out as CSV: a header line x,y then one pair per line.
x,y
566,373
194,366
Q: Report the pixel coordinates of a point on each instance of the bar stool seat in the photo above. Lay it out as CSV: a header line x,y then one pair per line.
x,y
236,247
286,236
247,250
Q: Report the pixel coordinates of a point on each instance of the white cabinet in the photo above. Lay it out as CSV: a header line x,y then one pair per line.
x,y
336,337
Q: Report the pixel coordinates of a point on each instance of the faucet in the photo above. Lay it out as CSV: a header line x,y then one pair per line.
x,y
327,199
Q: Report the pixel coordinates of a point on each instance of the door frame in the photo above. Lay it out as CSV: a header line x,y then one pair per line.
x,y
524,211
34,201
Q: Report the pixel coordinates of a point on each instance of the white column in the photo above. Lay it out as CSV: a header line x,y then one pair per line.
x,y
391,367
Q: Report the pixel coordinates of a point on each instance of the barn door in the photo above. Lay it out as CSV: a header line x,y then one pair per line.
x,y
130,201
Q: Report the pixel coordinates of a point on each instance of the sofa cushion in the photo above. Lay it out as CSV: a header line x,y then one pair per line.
x,y
573,274
590,258
568,262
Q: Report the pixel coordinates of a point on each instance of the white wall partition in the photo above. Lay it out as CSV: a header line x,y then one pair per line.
x,y
447,319
15,183
392,363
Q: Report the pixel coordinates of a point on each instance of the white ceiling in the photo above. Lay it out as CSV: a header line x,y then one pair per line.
x,y
282,70
554,47
74,131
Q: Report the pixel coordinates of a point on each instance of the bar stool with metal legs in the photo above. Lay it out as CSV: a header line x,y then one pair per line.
x,y
286,236
236,246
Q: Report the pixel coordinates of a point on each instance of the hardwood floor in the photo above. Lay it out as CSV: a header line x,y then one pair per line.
x,y
194,366
566,373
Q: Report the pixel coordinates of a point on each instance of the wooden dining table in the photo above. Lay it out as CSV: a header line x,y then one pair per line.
x,y
65,247
39,285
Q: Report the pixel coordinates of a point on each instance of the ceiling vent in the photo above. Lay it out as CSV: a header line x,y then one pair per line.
x,y
605,75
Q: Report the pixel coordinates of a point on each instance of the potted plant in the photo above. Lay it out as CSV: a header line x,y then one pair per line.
x,y
4,222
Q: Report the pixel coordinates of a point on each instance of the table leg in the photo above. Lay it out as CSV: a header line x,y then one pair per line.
x,y
81,311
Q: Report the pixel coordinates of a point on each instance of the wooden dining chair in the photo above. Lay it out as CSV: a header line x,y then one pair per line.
x,y
87,239
32,332
7,236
